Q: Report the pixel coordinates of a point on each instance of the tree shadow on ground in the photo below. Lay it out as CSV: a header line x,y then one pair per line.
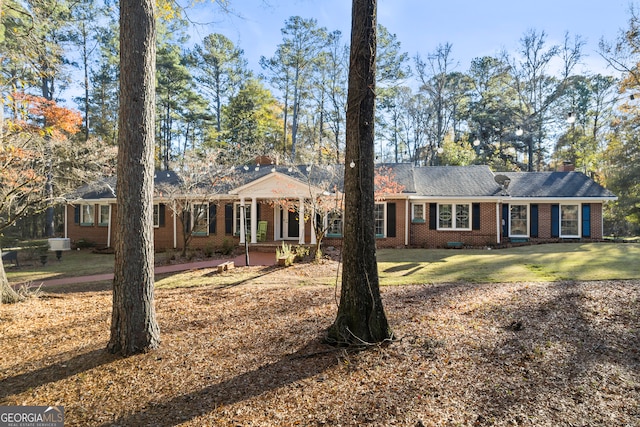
x,y
554,349
290,369
261,273
577,376
55,372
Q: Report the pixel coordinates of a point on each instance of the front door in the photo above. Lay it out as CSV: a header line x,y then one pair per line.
x,y
289,224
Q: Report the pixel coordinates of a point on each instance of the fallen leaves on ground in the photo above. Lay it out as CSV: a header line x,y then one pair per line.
x,y
531,354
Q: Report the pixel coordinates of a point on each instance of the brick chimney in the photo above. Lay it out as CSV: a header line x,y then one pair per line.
x,y
567,166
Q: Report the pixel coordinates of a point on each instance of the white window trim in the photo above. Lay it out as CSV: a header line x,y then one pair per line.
x,y
106,222
93,215
236,219
528,220
384,221
156,209
193,219
326,224
413,213
579,219
453,212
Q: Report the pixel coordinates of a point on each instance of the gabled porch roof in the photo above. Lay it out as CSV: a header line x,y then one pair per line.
x,y
277,185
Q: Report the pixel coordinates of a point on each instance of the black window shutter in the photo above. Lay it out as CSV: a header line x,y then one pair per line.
x,y
586,220
433,219
391,220
505,219
475,216
161,212
555,220
213,209
76,214
534,221
228,218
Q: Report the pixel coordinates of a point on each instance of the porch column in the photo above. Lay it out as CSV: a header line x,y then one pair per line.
x,y
254,220
301,222
243,222
174,214
314,218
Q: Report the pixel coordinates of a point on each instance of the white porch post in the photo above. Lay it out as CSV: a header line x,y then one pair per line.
x,y
243,223
314,217
301,222
175,224
254,220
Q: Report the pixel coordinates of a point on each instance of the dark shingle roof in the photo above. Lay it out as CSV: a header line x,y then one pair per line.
x,y
554,185
105,188
455,181
427,181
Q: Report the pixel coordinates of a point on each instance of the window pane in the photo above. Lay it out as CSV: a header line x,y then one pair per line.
x,y
87,215
445,216
418,212
462,216
156,215
104,215
334,223
569,220
518,220
239,224
200,218
379,219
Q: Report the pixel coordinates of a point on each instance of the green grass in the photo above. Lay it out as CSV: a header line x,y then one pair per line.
x,y
72,264
536,263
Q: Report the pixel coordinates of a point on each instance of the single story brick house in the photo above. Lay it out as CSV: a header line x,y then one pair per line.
x,y
431,207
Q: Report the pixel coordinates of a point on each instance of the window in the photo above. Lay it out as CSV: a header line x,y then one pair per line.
x,y
334,223
156,215
569,221
453,216
518,220
87,217
238,216
378,218
417,212
103,216
200,219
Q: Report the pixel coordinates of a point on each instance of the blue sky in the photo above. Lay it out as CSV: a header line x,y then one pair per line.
x,y
474,28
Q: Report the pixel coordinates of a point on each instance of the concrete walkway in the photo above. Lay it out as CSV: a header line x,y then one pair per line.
x,y
255,259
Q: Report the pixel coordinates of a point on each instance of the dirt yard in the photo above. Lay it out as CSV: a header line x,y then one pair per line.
x,y
530,354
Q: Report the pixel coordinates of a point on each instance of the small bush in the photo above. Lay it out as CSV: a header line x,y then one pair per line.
x,y
227,247
82,244
284,255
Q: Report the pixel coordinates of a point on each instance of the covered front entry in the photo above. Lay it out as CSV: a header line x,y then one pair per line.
x,y
288,223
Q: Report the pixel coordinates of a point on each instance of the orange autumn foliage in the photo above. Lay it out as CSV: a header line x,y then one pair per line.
x,y
59,122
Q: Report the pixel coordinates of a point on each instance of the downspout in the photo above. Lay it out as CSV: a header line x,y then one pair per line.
x,y
406,222
109,228
66,230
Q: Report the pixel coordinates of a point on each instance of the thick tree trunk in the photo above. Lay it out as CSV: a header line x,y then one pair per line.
x,y
361,319
133,325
